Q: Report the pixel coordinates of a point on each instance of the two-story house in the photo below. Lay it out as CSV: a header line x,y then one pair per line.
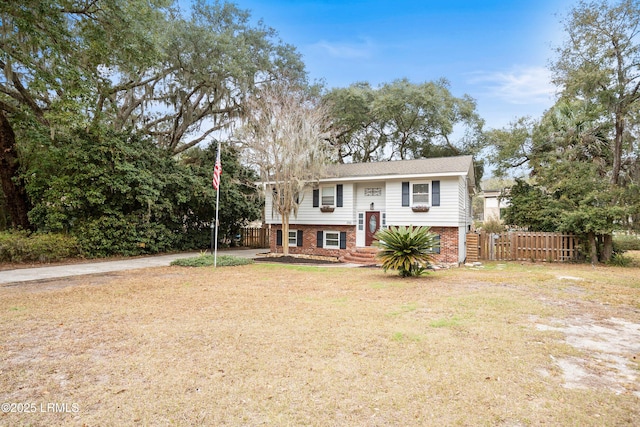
x,y
343,211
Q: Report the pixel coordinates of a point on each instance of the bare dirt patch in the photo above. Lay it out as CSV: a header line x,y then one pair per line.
x,y
311,345
613,349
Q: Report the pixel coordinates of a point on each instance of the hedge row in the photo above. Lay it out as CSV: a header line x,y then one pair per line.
x,y
204,260
623,243
37,247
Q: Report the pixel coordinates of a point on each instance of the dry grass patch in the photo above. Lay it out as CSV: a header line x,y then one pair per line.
x,y
300,345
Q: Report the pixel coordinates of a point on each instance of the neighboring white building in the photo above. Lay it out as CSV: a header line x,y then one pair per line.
x,y
344,210
493,204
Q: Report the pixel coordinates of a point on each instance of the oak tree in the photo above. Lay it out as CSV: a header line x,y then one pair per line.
x,y
403,120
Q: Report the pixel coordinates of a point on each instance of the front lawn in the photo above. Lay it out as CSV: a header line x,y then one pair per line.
x,y
508,344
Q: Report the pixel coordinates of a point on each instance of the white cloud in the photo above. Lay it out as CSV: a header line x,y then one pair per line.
x,y
520,85
341,50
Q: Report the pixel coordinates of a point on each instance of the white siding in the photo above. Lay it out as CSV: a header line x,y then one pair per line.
x,y
454,209
463,196
445,215
268,208
466,214
461,201
308,215
363,202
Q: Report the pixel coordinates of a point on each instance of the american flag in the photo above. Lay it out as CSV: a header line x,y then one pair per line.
x,y
217,171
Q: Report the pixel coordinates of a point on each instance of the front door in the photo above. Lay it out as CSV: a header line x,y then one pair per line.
x,y
372,225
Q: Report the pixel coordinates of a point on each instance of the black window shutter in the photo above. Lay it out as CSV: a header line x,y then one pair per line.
x,y
278,237
343,240
435,193
319,239
339,195
316,197
299,239
405,194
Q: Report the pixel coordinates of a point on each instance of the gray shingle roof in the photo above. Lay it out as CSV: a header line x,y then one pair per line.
x,y
432,166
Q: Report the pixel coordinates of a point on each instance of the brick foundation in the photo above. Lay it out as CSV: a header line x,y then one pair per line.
x,y
448,241
448,245
309,240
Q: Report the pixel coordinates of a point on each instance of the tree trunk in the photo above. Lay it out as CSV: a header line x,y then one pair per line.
x,y
607,248
617,147
285,234
593,248
14,191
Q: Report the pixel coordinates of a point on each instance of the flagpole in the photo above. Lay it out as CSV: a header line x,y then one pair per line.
x,y
215,254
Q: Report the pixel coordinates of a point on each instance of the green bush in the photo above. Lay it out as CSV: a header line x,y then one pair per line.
x,y
125,235
20,246
493,225
625,243
207,261
409,250
121,194
619,260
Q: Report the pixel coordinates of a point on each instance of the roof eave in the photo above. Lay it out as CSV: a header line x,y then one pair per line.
x,y
390,177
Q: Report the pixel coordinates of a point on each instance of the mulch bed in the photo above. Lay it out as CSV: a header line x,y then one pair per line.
x,y
293,260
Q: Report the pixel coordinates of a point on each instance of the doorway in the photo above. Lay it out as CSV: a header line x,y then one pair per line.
x,y
372,225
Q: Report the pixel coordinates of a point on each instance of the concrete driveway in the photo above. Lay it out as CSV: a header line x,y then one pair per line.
x,y
68,270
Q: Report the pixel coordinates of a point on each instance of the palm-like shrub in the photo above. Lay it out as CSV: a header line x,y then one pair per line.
x,y
409,250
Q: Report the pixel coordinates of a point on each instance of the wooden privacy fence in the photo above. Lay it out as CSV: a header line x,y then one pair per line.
x,y
254,237
521,246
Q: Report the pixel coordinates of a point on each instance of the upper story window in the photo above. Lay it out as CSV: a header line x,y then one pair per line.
x,y
328,196
416,195
420,194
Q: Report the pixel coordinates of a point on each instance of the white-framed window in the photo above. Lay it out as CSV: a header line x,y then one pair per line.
x,y
328,196
360,221
384,220
332,239
293,237
420,194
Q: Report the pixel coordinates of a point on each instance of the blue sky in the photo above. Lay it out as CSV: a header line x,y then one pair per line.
x,y
496,51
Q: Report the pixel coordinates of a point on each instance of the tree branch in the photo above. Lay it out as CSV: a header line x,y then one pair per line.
x,y
25,96
7,107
